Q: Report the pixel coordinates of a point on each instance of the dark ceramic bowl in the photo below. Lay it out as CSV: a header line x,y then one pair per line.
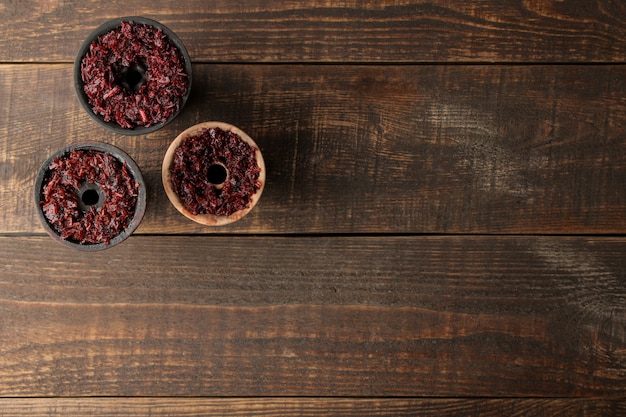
x,y
79,84
88,191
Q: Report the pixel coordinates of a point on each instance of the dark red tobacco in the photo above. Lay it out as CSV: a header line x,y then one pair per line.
x,y
190,171
95,223
134,76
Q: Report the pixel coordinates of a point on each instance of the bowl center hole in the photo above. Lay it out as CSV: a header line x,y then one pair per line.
x,y
216,174
90,195
133,76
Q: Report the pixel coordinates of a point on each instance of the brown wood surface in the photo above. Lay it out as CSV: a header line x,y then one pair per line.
x,y
315,316
321,31
442,231
366,149
294,407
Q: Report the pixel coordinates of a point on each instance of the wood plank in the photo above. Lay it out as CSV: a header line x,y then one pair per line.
x,y
315,316
319,31
365,149
293,407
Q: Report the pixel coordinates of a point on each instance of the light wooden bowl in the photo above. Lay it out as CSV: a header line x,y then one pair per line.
x,y
210,219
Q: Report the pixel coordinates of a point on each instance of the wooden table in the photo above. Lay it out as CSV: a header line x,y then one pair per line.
x,y
442,231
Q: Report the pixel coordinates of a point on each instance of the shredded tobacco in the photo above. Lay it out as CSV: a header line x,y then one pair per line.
x,y
60,196
134,76
190,171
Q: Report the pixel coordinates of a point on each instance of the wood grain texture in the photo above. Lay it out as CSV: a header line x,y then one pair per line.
x,y
434,239
365,149
294,407
315,316
347,31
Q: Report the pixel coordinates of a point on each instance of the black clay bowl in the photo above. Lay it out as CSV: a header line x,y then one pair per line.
x,y
88,194
223,166
133,75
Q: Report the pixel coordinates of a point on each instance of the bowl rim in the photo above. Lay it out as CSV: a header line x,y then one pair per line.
x,y
105,28
118,154
210,219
